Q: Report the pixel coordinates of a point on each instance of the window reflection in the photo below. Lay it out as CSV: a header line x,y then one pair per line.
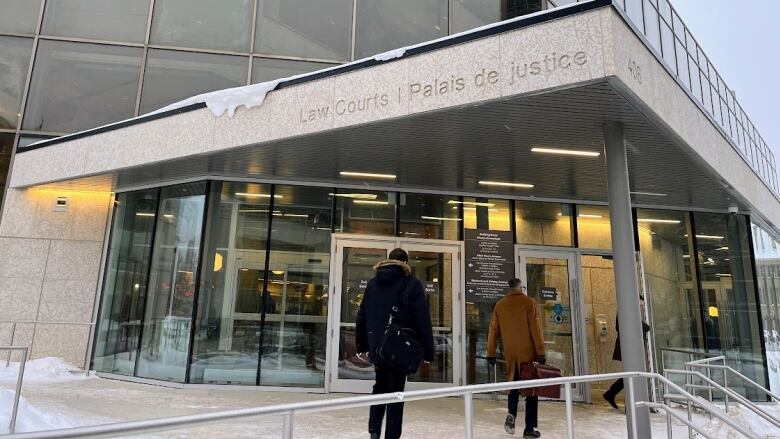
x,y
227,333
267,69
468,14
174,268
113,20
365,212
386,25
593,229
19,16
14,60
294,336
543,223
429,216
202,24
320,29
767,252
124,290
102,84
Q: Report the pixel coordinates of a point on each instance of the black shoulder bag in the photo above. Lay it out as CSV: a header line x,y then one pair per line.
x,y
400,346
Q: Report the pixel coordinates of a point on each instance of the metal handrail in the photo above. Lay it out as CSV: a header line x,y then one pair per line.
x,y
288,411
746,402
670,412
705,364
19,379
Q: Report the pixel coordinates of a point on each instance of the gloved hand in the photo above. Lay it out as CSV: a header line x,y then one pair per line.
x,y
491,361
540,359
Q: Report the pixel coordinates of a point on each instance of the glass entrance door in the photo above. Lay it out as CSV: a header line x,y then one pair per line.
x,y
550,277
436,265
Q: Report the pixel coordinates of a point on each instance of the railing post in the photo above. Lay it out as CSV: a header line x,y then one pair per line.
x,y
725,383
288,425
469,406
631,404
10,343
569,414
18,394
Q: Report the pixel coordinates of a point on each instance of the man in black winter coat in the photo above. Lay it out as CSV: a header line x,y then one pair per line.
x,y
392,285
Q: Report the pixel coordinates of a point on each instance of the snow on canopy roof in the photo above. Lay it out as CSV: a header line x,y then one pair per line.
x,y
253,95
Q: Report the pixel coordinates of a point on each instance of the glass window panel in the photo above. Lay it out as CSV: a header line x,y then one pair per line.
x,y
320,29
172,283
468,14
516,8
386,25
294,337
695,77
728,291
6,149
593,229
667,39
118,331
430,216
365,212
707,93
634,11
172,76
682,64
14,64
117,20
227,331
203,24
487,214
767,250
540,223
679,27
19,16
652,31
665,9
267,69
76,86
670,284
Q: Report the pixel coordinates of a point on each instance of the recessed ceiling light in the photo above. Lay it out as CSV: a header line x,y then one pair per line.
x,y
437,218
471,203
560,151
649,194
722,248
723,274
706,236
588,215
367,175
657,220
144,214
249,195
370,202
506,184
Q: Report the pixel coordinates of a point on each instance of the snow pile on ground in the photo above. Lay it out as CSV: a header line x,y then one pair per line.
x,y
42,370
28,418
746,419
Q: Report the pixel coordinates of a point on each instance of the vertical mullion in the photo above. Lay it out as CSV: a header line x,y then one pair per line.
x,y
144,56
148,280
574,226
354,28
201,267
264,300
255,8
693,249
762,342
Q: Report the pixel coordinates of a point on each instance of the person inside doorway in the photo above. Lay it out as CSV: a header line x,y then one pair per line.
x,y
516,322
392,290
617,386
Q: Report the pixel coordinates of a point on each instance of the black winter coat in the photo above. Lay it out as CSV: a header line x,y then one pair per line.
x,y
382,293
616,354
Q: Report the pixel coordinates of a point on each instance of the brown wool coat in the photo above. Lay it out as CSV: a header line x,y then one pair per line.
x,y
516,321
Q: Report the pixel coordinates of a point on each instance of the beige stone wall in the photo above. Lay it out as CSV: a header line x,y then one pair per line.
x,y
49,267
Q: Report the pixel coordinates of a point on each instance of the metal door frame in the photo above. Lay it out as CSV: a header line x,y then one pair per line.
x,y
338,242
576,304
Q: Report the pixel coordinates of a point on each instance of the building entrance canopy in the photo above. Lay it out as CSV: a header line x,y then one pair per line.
x,y
494,106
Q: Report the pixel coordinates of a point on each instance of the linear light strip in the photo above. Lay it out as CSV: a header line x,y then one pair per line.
x,y
657,220
561,151
506,184
437,218
367,175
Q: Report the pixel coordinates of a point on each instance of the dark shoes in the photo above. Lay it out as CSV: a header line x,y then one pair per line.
x,y
610,399
531,433
509,424
374,435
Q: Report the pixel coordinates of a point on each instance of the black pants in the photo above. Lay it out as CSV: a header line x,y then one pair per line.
x,y
615,388
388,380
531,406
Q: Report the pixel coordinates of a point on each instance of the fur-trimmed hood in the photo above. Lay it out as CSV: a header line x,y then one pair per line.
x,y
394,262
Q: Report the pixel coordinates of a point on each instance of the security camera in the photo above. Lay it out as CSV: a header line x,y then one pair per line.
x,y
733,210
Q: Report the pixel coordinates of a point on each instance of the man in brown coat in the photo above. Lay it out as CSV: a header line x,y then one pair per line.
x,y
516,321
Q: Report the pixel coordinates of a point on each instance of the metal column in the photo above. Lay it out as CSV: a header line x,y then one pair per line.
x,y
626,281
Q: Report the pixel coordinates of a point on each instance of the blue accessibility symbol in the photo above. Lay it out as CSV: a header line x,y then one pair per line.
x,y
557,309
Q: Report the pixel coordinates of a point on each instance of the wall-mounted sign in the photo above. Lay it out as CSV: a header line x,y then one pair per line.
x,y
362,285
549,293
489,264
431,288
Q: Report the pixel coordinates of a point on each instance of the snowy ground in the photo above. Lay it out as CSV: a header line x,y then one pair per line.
x,y
56,398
